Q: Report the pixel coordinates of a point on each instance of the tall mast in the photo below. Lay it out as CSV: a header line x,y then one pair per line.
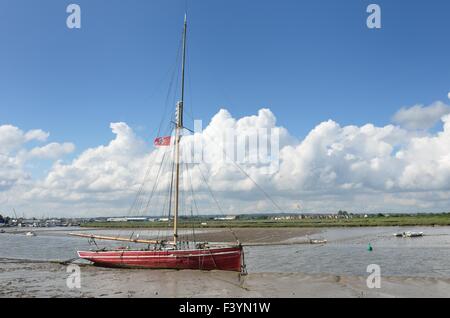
x,y
178,128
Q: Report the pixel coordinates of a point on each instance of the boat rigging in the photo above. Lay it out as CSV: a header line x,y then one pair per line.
x,y
175,253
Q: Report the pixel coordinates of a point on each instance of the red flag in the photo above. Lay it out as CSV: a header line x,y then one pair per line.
x,y
162,141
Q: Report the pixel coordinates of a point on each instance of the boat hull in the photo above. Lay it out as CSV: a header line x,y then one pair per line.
x,y
223,258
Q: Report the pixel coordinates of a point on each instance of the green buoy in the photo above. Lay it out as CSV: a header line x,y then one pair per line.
x,y
370,248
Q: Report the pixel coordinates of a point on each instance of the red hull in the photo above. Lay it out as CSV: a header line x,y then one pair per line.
x,y
221,258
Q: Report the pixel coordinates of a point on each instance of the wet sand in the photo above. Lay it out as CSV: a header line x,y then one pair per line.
x,y
252,236
32,279
244,235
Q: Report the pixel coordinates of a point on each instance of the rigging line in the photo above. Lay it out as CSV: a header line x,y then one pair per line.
x,y
165,205
190,114
189,110
182,200
165,152
164,165
259,187
155,186
217,203
141,187
138,201
140,190
166,200
210,191
193,199
245,173
171,191
185,201
174,71
193,227
141,208
157,87
135,202
140,204
178,77
156,181
171,182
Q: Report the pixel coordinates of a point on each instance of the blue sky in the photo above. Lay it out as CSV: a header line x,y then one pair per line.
x,y
307,61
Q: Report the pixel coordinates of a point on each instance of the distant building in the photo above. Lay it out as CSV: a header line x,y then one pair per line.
x,y
131,219
136,219
116,219
29,222
226,218
127,219
288,217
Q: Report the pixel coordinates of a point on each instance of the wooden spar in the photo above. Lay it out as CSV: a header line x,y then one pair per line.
x,y
121,239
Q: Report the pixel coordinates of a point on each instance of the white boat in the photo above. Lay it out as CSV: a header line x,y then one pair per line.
x,y
315,241
413,234
30,234
409,234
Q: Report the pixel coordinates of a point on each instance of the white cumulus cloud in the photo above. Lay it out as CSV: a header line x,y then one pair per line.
x,y
12,138
359,168
14,153
52,151
421,117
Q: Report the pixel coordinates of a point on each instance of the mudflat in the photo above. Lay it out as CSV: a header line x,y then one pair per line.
x,y
244,235
46,279
255,235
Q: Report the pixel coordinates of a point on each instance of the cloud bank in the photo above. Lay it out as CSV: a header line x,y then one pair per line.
x,y
365,168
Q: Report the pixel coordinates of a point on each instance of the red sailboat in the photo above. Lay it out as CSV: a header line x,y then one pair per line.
x,y
226,258
174,253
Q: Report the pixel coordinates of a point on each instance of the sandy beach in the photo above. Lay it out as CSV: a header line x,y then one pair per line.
x,y
32,279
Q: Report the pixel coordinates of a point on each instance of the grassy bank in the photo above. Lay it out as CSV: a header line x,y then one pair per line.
x,y
393,220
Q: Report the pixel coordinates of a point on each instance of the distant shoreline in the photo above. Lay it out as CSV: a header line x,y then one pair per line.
x,y
371,221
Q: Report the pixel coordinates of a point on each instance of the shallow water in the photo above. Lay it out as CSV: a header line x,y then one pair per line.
x,y
345,254
56,244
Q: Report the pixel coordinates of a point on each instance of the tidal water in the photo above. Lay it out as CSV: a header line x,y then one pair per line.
x,y
346,252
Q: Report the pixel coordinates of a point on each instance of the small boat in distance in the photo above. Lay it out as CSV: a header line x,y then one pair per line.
x,y
173,253
30,233
409,234
317,241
